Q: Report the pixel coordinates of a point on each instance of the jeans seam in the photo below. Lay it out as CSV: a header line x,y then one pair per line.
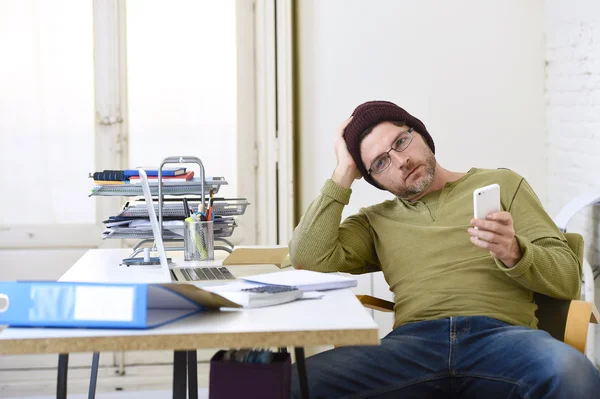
x,y
453,345
487,377
396,387
450,346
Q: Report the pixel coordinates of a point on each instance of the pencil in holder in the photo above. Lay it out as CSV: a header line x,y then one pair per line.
x,y
198,241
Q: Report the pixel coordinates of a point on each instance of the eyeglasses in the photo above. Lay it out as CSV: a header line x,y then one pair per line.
x,y
383,161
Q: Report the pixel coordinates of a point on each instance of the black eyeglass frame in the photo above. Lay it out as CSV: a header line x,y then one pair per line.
x,y
386,154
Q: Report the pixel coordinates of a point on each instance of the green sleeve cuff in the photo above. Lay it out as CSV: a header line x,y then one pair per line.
x,y
524,264
337,193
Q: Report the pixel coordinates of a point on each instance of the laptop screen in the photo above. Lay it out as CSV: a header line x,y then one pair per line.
x,y
164,264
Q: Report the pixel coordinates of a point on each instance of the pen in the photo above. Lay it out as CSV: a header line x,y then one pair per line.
x,y
186,208
209,213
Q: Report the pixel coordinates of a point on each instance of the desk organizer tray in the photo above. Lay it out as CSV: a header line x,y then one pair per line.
x,y
229,379
221,207
221,230
193,186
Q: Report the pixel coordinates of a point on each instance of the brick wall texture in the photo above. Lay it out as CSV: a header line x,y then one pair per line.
x,y
572,98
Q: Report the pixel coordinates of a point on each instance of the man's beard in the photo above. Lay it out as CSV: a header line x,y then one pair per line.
x,y
418,187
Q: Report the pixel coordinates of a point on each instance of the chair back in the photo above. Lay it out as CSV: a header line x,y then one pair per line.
x,y
552,313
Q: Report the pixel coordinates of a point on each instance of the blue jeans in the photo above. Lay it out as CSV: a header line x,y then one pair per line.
x,y
456,357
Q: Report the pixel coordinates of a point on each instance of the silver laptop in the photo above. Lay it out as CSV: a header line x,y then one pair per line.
x,y
210,272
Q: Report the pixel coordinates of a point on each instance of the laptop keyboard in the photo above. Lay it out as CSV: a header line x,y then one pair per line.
x,y
206,273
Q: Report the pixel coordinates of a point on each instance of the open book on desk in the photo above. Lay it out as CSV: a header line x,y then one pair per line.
x,y
305,280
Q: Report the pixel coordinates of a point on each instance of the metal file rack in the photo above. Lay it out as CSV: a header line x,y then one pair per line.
x,y
226,208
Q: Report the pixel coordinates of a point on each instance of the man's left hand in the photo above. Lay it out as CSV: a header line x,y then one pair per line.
x,y
496,234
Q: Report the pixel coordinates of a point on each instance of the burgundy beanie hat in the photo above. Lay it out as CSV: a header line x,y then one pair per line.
x,y
370,114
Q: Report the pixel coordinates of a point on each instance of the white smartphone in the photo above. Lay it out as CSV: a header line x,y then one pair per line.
x,y
486,200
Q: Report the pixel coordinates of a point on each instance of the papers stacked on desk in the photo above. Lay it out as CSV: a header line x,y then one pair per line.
x,y
133,222
305,280
173,229
174,209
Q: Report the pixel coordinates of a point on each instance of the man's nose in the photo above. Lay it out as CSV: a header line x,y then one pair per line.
x,y
400,159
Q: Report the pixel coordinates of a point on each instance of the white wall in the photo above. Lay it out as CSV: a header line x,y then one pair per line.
x,y
573,115
472,71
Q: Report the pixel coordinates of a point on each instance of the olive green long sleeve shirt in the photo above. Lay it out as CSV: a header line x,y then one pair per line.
x,y
424,251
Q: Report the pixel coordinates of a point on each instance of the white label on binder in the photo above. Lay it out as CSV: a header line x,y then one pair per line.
x,y
104,303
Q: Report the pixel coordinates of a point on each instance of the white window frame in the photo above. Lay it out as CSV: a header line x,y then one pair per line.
x,y
274,121
110,80
246,111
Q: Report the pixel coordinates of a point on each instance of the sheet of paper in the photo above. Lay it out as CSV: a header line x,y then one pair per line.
x,y
305,280
312,295
232,287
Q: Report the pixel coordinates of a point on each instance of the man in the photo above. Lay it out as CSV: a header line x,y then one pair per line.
x,y
465,322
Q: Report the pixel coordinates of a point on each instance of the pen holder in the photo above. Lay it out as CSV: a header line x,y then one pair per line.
x,y
198,241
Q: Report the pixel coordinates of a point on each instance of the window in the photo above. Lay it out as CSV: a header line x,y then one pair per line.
x,y
182,84
46,112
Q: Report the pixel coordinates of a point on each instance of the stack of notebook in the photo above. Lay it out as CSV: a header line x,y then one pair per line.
x,y
132,176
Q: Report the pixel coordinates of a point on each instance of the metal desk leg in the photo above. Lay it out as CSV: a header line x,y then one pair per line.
x,y
192,371
179,375
61,380
94,375
302,378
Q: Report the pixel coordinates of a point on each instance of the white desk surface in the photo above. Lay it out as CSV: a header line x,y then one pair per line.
x,y
336,319
104,266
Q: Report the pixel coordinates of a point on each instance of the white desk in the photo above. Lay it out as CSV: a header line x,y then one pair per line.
x,y
104,266
337,319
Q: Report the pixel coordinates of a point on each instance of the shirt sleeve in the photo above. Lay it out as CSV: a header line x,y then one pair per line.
x,y
321,243
548,265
